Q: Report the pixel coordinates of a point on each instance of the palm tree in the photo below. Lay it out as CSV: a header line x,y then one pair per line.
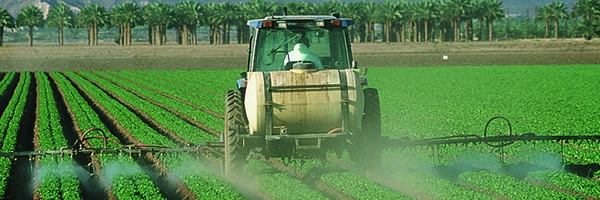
x,y
213,20
413,17
456,9
6,20
92,17
158,16
299,8
125,16
60,16
471,9
243,33
426,12
188,16
491,10
558,11
259,9
354,11
445,21
389,14
30,16
328,7
543,14
589,29
588,9
227,14
370,19
478,14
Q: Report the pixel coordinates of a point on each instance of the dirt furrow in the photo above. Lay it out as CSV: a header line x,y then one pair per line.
x,y
36,140
91,163
171,110
171,187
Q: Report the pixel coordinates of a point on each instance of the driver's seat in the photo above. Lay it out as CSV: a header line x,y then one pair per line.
x,y
300,65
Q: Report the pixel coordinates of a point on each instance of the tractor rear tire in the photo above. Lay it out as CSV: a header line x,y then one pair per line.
x,y
367,151
234,154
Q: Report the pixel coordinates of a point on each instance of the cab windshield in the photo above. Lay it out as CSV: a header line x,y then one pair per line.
x,y
272,46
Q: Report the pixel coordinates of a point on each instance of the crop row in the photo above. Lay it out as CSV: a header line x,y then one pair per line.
x,y
192,134
199,177
279,185
193,91
163,117
149,136
508,186
136,126
425,102
443,101
202,183
9,126
87,118
58,180
567,181
6,79
358,187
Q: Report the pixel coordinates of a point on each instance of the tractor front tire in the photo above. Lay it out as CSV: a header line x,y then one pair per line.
x,y
234,156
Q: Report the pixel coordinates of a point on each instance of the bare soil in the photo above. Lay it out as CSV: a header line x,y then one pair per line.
x,y
50,57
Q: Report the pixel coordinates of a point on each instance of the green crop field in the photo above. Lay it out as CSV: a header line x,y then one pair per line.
x,y
49,110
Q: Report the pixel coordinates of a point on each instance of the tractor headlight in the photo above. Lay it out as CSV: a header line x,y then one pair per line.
x,y
281,24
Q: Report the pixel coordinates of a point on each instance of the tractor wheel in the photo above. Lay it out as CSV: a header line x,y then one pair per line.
x,y
234,155
367,150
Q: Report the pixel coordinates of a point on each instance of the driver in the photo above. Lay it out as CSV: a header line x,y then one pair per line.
x,y
302,53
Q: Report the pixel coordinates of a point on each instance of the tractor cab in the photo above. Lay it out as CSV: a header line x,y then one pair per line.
x,y
273,40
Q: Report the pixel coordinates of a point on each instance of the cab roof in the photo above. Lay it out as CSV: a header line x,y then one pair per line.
x,y
258,23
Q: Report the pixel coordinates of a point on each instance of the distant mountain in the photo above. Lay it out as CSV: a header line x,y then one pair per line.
x,y
14,6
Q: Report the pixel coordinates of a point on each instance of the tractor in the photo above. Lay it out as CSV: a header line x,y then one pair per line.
x,y
297,109
301,98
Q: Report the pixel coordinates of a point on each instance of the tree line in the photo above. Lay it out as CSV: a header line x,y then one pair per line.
x,y
400,21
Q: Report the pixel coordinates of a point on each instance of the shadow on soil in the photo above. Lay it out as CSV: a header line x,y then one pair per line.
x,y
586,171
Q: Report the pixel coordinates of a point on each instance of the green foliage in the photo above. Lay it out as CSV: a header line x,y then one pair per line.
x,y
9,126
278,184
589,29
162,116
442,101
359,188
435,186
190,134
567,181
196,174
92,15
416,102
60,15
508,187
30,16
6,20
